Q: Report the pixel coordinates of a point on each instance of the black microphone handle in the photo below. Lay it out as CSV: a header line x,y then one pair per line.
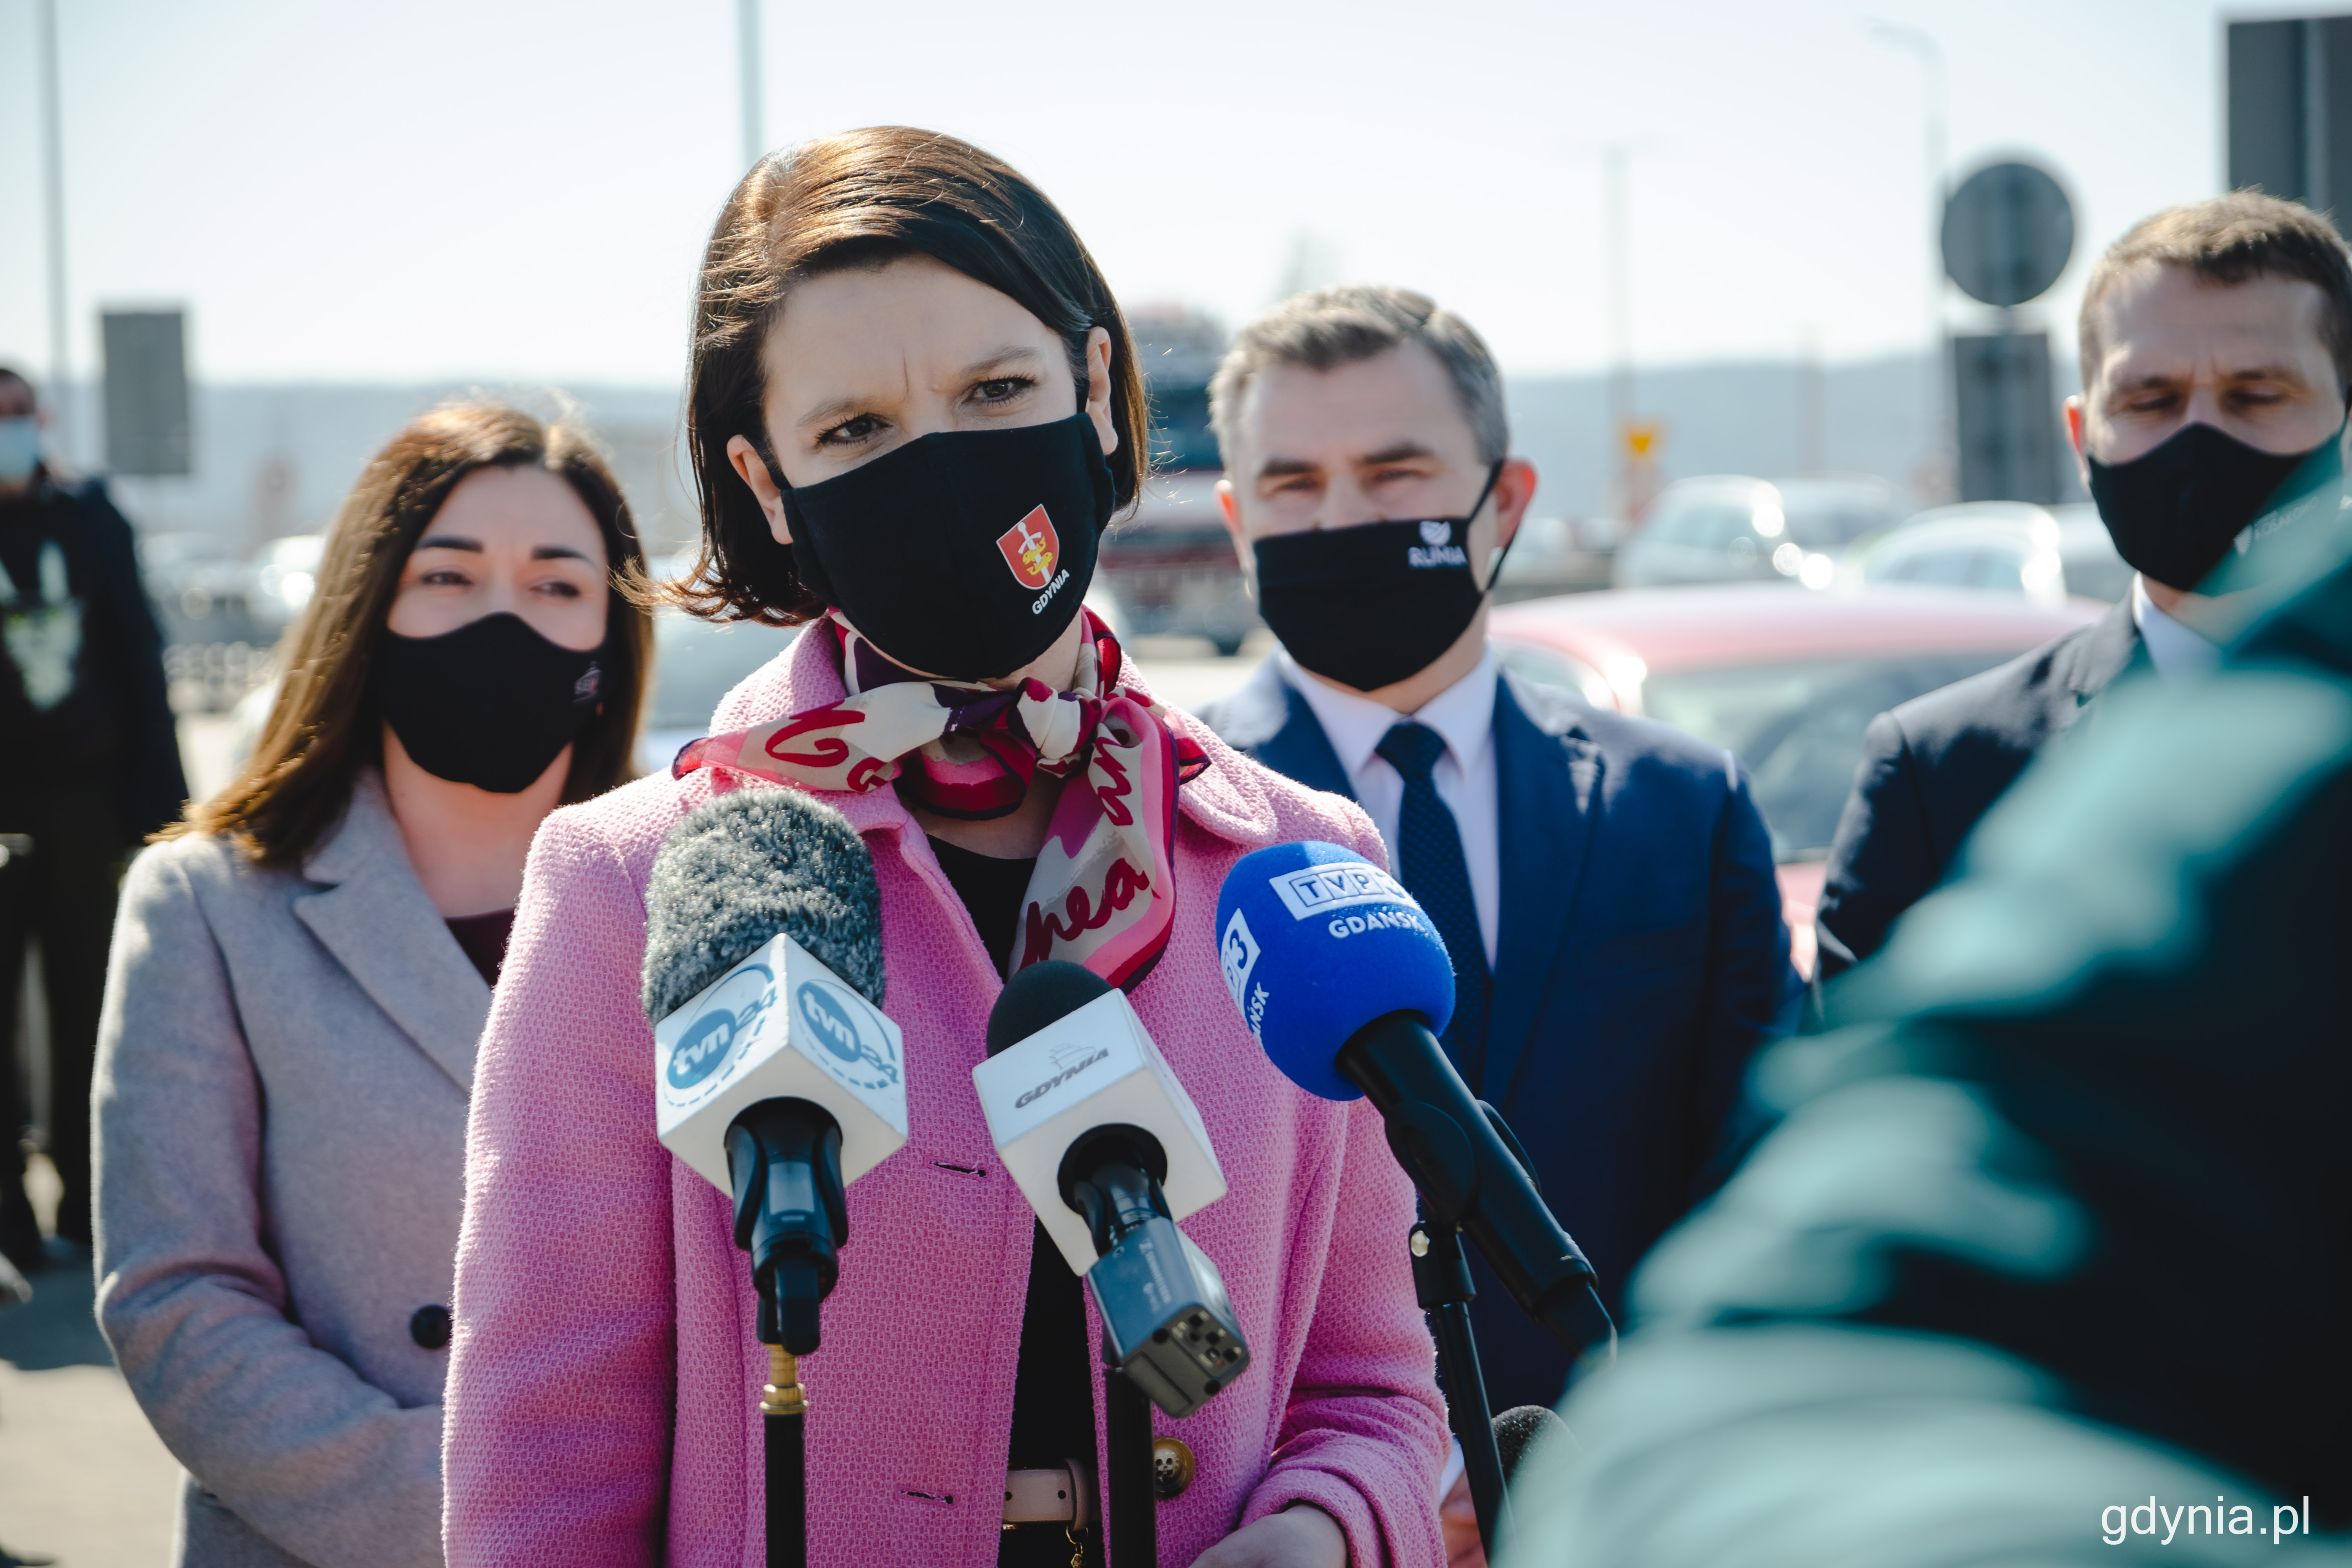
x,y
783,1157
1468,1177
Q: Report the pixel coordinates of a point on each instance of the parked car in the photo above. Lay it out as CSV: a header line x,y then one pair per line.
x,y
1733,528
1557,555
285,571
198,589
1169,567
1786,681
2094,570
696,663
2006,547
1999,546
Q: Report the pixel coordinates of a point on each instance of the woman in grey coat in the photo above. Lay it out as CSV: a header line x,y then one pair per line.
x,y
299,973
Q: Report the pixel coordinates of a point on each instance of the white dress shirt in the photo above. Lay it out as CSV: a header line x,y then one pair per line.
x,y
1467,781
2176,650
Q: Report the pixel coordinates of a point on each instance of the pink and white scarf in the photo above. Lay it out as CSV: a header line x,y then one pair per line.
x,y
1104,892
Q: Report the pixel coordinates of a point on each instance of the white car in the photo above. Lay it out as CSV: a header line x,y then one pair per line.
x,y
285,573
2003,547
696,663
1729,528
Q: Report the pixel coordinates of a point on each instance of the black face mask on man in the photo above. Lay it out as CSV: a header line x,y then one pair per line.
x,y
964,552
490,704
2175,510
1372,603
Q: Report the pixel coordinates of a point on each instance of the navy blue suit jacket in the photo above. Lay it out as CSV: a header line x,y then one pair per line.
x,y
1933,767
1640,962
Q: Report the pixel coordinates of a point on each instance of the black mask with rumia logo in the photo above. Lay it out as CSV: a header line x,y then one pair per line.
x,y
1372,603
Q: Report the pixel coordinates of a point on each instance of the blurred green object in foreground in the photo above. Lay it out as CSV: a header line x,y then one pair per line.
x,y
2060,1220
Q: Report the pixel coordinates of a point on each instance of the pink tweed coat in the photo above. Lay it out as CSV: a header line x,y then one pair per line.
x,y
604,1373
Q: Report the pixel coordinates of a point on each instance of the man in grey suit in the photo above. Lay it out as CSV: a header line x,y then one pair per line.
x,y
2217,345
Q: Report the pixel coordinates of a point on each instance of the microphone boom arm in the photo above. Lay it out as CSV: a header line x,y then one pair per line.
x,y
1468,1177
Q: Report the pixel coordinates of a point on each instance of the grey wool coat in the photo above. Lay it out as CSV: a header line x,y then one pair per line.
x,y
281,1104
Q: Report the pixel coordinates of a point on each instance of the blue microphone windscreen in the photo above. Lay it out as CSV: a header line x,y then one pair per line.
x,y
1316,942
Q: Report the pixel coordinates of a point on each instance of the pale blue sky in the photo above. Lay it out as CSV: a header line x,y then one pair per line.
x,y
518,189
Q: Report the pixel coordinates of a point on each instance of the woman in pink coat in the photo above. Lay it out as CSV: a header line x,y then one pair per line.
x,y
914,405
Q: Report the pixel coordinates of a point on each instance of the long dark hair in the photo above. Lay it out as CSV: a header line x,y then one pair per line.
x,y
859,199
324,726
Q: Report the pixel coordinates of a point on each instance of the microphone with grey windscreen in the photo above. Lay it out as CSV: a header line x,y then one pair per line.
x,y
1528,1430
777,1077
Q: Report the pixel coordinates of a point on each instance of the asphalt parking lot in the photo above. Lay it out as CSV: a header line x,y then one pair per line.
x,y
84,1481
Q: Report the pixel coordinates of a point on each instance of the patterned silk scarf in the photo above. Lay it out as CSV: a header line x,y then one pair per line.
x,y
1104,892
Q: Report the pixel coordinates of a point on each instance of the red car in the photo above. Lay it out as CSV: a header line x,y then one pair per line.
x,y
1787,681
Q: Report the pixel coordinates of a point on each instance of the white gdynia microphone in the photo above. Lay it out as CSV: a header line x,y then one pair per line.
x,y
1099,1135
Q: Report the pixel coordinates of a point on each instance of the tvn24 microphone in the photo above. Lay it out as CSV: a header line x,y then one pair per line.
x,y
1109,1150
777,1077
1343,979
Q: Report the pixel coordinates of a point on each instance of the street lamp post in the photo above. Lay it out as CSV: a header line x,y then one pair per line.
x,y
747,47
1922,45
1632,445
53,190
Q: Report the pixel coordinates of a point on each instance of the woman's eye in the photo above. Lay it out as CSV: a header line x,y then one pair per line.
x,y
559,589
1004,389
445,578
849,432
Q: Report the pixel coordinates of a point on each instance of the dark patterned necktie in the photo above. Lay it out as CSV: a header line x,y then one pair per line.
x,y
1430,859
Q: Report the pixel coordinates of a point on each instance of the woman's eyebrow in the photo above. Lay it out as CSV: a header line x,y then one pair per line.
x,y
448,542
557,552
999,358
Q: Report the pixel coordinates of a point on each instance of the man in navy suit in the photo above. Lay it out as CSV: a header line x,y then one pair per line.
x,y
1605,884
2217,344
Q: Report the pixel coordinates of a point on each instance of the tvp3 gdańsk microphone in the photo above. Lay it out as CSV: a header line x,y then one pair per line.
x,y
1101,1138
1343,979
777,1078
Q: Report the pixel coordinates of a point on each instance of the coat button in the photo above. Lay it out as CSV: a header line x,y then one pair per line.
x,y
429,1327
1171,1468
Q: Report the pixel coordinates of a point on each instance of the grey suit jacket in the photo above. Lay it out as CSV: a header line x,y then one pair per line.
x,y
280,1118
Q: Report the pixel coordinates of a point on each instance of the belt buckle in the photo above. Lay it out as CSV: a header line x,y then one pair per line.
x,y
1064,1495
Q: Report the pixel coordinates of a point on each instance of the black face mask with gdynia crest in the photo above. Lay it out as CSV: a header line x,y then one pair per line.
x,y
964,554
1372,603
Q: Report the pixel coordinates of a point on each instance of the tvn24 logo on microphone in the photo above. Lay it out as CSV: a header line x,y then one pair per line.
x,y
734,1044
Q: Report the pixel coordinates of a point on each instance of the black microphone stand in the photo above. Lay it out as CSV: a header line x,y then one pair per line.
x,y
784,1158
1441,1281
783,1412
1132,1509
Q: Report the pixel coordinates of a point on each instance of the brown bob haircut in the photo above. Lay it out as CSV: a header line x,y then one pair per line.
x,y
324,727
2226,241
864,198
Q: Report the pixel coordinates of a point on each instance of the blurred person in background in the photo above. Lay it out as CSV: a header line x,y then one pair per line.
x,y
2217,348
90,766
2049,1260
301,968
914,405
1604,883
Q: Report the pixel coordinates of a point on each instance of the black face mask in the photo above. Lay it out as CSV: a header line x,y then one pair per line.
x,y
964,554
489,704
1371,603
2176,511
